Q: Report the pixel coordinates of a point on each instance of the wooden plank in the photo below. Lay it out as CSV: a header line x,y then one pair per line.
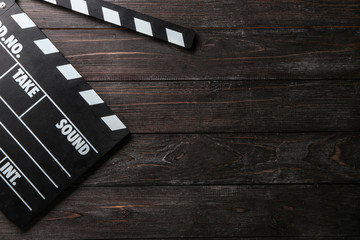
x,y
246,238
230,159
112,55
213,14
236,184
216,211
234,106
251,238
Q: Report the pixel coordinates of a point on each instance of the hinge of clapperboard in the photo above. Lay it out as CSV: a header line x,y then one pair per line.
x,y
130,19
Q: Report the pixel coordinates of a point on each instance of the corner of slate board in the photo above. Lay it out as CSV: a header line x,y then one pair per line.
x,y
53,125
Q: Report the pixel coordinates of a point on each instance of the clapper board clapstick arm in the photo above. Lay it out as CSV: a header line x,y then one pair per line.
x,y
130,19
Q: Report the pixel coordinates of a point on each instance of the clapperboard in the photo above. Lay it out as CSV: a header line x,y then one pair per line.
x,y
53,125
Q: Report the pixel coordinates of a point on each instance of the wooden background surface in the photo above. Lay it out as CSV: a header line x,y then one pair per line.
x,y
253,134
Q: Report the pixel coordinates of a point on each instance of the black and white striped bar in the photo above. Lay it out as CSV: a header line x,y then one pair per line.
x,y
53,125
130,19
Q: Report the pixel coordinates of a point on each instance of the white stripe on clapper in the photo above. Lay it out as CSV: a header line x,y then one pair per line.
x,y
79,6
23,20
113,122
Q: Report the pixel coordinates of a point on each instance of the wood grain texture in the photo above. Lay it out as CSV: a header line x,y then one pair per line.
x,y
213,14
253,134
216,211
231,159
235,106
119,55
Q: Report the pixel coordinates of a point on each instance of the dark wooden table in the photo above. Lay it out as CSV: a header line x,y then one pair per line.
x,y
253,134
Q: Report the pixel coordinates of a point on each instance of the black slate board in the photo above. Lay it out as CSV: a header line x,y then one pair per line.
x,y
53,126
